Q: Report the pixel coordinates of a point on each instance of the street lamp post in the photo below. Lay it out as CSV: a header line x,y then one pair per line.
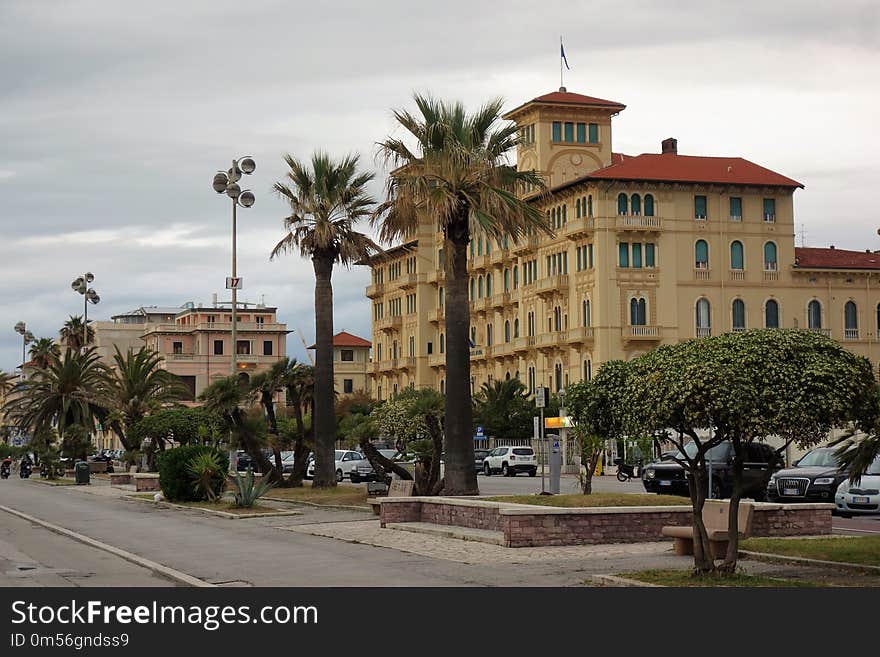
x,y
226,182
81,284
26,338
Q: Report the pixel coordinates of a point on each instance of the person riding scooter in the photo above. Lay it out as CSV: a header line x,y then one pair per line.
x,y
26,467
5,468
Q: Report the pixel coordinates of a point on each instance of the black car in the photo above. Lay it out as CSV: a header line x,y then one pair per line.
x,y
813,478
479,455
364,471
670,477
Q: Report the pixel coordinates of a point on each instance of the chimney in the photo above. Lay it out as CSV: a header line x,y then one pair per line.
x,y
669,145
214,299
831,247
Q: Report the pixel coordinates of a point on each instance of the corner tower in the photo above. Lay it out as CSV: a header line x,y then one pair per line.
x,y
564,135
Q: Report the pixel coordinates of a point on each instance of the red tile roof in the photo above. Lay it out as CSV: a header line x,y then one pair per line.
x,y
670,167
835,259
576,99
344,339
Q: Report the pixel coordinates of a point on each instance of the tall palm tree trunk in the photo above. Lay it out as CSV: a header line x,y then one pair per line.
x,y
324,420
460,476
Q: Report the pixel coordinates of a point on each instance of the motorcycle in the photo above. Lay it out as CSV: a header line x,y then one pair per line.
x,y
44,471
4,469
25,470
627,471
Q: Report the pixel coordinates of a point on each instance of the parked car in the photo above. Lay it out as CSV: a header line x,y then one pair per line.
x,y
862,497
363,470
669,477
346,460
813,478
509,460
479,457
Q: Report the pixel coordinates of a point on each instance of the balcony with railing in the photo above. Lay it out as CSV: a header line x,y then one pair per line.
x,y
375,290
500,300
703,331
500,256
438,315
181,356
481,305
392,323
524,344
503,349
525,245
771,271
736,218
553,284
578,228
478,263
850,334
409,281
406,363
437,360
641,333
769,218
824,331
701,273
637,222
242,327
580,335
737,275
552,340
436,276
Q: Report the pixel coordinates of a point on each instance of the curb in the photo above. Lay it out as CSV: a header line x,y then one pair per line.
x,y
614,580
159,569
806,561
344,507
222,514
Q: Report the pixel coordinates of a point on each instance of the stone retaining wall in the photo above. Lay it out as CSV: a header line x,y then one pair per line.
x,y
532,526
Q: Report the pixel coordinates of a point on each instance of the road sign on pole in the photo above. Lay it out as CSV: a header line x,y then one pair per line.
x,y
234,283
541,397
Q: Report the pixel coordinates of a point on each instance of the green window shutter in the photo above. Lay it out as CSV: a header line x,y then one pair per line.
x,y
594,133
649,255
579,258
700,207
637,255
622,203
769,209
569,131
590,253
770,255
649,205
581,133
736,255
623,254
577,209
771,314
736,207
701,252
557,131
635,203
739,314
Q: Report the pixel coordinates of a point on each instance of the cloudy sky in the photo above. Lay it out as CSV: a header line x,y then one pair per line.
x,y
115,114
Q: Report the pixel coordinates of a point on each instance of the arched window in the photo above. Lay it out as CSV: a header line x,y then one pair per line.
x,y
585,314
442,386
701,254
850,321
515,276
473,336
771,314
649,205
635,204
557,318
507,280
739,315
442,343
621,203
480,245
440,297
516,331
507,375
770,256
637,312
473,289
736,255
558,376
507,331
577,208
814,315
480,287
588,370
489,335
703,318
590,205
488,285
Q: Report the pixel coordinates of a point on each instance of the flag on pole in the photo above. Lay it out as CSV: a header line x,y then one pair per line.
x,y
562,54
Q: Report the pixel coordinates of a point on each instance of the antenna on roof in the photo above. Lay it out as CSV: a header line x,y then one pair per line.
x,y
803,232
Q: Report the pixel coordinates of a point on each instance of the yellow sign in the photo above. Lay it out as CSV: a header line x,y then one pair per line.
x,y
558,423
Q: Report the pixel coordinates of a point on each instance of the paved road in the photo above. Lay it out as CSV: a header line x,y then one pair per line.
x,y
31,555
257,552
857,526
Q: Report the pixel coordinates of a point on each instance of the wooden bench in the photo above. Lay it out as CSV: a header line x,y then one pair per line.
x,y
715,516
398,488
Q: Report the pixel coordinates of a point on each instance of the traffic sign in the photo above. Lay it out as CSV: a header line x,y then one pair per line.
x,y
234,283
480,431
541,395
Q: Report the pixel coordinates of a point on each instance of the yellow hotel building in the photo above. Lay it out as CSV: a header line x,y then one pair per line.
x,y
648,250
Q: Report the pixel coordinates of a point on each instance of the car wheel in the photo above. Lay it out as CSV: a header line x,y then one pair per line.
x,y
505,471
532,473
844,514
354,478
339,475
487,470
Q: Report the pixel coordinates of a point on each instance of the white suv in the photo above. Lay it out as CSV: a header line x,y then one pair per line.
x,y
346,461
510,460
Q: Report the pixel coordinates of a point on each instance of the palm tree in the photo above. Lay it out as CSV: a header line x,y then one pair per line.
x,y
70,392
502,408
7,383
300,388
265,385
326,199
72,333
225,399
43,351
459,178
137,386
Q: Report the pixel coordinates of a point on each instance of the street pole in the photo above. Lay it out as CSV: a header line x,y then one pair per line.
x,y
543,460
234,291
85,321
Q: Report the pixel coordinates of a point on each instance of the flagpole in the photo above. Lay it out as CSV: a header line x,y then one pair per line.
x,y
561,83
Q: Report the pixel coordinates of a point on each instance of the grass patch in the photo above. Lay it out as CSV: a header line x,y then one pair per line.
x,y
594,500
864,550
342,495
684,578
229,507
60,481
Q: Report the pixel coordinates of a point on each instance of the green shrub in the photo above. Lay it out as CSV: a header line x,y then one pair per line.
x,y
205,468
175,480
248,491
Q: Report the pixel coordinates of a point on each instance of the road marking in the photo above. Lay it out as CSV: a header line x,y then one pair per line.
x,y
157,568
850,529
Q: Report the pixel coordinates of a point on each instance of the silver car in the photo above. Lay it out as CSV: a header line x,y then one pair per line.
x,y
862,497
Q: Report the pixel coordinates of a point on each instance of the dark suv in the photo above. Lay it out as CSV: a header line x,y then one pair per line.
x,y
814,478
671,478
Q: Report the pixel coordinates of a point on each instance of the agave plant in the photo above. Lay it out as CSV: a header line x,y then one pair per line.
x,y
249,490
205,469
